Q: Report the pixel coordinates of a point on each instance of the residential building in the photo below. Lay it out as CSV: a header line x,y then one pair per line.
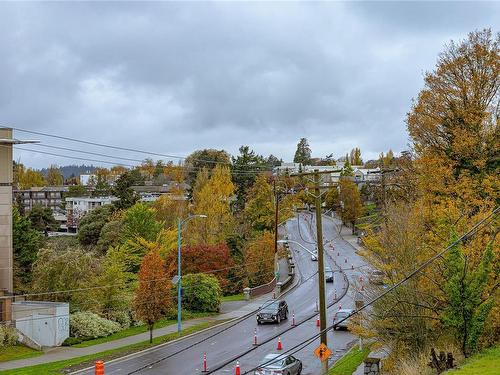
x,y
76,207
150,193
46,196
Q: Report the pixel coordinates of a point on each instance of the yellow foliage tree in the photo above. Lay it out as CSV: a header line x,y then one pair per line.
x,y
259,259
214,200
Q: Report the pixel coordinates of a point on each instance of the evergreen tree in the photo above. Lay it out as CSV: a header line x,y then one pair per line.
x,y
245,168
468,304
123,191
303,153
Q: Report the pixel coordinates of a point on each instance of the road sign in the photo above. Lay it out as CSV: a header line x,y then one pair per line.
x,y
322,352
175,279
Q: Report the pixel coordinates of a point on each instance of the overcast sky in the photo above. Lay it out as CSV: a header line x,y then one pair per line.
x,y
176,77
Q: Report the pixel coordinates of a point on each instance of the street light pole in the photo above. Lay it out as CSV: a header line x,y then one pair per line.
x,y
179,276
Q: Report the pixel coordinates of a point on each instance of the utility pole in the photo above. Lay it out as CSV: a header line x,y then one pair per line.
x,y
321,263
276,203
321,268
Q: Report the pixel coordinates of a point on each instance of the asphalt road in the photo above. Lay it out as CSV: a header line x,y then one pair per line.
x,y
223,345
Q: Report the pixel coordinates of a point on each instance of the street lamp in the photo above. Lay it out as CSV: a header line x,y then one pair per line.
x,y
180,223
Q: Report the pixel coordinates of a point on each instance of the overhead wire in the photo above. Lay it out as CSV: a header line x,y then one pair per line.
x,y
463,237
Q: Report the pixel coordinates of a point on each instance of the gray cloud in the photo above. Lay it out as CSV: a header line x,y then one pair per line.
x,y
172,77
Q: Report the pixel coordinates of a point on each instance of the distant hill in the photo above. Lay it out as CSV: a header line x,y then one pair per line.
x,y
72,170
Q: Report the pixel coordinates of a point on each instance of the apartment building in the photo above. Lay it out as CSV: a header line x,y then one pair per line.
x,y
77,207
46,196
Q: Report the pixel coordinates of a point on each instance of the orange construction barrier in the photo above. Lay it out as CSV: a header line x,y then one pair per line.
x,y
99,368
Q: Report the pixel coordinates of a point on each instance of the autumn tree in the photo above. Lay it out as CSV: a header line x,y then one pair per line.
x,y
153,295
139,221
350,200
207,158
213,200
303,152
259,209
259,259
54,176
28,178
168,208
204,258
355,157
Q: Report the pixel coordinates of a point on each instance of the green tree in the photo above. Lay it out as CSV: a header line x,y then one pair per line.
x,y
111,235
303,153
89,229
26,242
139,221
101,188
246,167
202,292
42,218
355,157
468,303
123,191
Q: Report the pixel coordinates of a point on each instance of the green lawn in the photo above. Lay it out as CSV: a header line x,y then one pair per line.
x,y
139,329
484,363
349,362
234,297
17,352
85,361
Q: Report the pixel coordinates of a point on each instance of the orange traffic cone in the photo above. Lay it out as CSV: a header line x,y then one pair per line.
x,y
238,371
317,321
293,319
280,347
255,337
340,306
99,368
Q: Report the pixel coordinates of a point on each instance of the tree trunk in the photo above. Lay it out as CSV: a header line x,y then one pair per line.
x,y
151,333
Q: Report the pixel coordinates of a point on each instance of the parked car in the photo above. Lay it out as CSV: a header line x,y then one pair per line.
x,y
328,275
376,277
273,311
289,365
339,315
314,255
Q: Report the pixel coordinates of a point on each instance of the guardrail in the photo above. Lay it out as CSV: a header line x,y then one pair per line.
x,y
259,290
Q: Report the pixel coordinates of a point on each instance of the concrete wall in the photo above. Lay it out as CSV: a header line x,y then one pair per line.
x,y
45,323
6,212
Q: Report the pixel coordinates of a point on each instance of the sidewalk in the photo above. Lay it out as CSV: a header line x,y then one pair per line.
x,y
229,311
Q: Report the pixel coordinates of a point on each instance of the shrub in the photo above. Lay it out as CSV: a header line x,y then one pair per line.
x,y
202,293
87,324
8,336
121,317
72,341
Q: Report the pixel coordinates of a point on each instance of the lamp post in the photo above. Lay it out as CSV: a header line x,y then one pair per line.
x,y
180,223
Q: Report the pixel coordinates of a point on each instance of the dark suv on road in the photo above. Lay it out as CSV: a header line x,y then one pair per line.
x,y
273,311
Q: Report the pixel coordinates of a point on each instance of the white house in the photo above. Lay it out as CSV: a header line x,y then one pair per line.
x,y
76,207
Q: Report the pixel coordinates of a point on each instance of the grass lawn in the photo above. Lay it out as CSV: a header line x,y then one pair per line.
x,y
234,297
139,329
17,352
349,362
484,363
74,364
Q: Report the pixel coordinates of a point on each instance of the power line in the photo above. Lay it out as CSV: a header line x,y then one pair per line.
x,y
248,172
465,236
122,148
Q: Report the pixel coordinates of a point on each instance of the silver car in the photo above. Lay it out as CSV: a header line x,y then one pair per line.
x,y
340,315
287,365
